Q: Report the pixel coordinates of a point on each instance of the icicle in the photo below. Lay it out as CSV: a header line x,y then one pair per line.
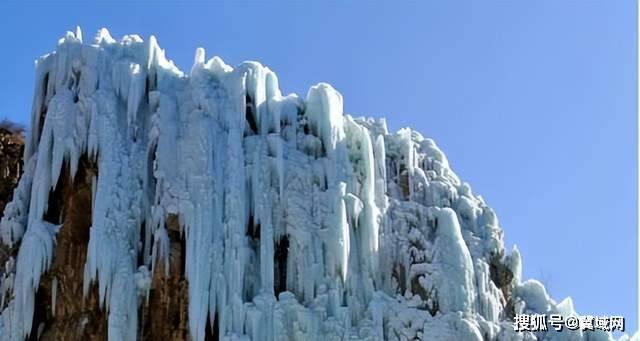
x,y
380,171
135,95
324,109
34,258
78,33
457,289
514,263
344,240
198,62
161,250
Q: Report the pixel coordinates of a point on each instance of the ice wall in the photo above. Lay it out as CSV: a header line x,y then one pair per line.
x,y
300,222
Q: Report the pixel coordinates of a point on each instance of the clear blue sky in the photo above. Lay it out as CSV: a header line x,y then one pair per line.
x,y
534,102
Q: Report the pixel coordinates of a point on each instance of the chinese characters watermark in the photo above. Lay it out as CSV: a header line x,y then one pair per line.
x,y
540,322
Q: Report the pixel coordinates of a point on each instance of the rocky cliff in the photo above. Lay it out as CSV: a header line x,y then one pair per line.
x,y
156,204
11,149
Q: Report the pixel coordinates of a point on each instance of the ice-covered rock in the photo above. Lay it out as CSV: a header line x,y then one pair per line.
x,y
298,221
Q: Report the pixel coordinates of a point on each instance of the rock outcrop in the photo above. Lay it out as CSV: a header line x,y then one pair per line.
x,y
11,149
157,205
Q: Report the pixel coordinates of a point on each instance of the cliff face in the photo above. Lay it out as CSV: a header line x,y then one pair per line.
x,y
75,316
11,149
160,205
72,316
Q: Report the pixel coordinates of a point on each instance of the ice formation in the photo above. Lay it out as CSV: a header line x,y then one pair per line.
x,y
300,222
